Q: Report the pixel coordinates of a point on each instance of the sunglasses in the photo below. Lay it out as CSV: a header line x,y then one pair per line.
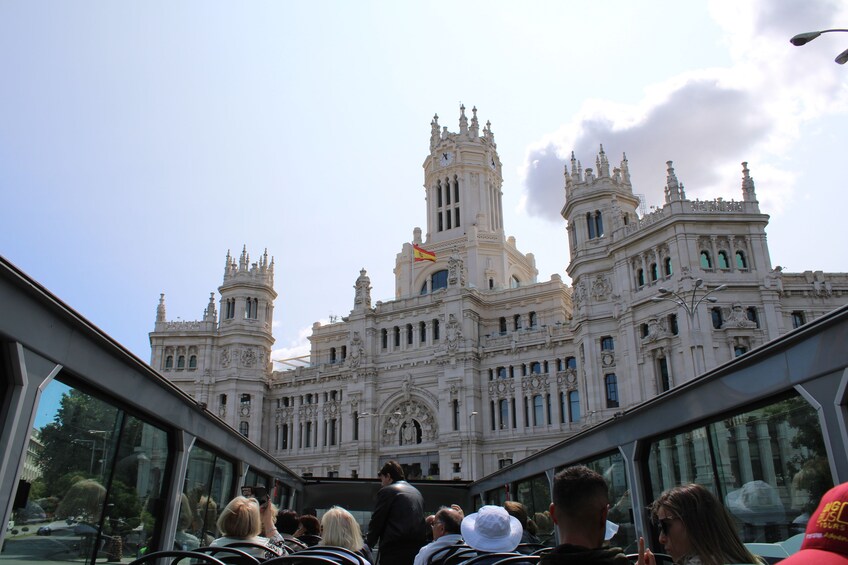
x,y
663,524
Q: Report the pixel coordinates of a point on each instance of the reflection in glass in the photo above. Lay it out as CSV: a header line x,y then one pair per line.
x,y
767,465
94,482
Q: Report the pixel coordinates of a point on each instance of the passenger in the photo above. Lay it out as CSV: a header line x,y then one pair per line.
x,y
825,541
241,520
287,523
309,530
398,518
517,510
579,510
207,517
340,529
446,532
491,530
696,529
183,538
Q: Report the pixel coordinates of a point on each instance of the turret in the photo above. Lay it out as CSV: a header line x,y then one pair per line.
x,y
748,193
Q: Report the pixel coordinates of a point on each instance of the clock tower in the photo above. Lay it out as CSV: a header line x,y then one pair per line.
x,y
462,184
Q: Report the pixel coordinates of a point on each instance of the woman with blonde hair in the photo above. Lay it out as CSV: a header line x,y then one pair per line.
x,y
339,528
242,520
696,529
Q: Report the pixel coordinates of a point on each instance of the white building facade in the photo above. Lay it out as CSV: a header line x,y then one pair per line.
x,y
475,363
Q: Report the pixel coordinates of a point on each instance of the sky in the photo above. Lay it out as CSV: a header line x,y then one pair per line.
x,y
142,141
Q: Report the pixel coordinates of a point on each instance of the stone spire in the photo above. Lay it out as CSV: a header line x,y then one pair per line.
x,y
463,121
602,164
244,260
625,170
748,193
434,132
160,310
475,125
673,188
210,314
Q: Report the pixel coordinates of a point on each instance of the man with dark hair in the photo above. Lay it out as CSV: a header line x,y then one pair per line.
x,y
446,533
287,523
579,510
398,519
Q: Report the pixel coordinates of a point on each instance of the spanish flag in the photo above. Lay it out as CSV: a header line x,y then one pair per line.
x,y
422,254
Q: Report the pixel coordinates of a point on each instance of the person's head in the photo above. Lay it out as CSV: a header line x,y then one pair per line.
x,y
446,521
390,472
240,518
580,506
492,530
818,547
692,521
187,517
309,525
207,512
341,529
517,510
286,521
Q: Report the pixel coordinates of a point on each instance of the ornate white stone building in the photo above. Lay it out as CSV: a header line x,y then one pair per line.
x,y
475,363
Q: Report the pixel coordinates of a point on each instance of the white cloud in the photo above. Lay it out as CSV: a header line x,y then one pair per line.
x,y
295,348
707,121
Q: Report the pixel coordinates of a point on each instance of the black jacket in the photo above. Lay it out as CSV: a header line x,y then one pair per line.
x,y
566,554
398,519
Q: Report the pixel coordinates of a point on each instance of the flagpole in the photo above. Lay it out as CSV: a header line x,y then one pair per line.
x,y
411,268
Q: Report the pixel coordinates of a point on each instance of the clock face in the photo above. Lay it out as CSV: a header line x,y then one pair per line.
x,y
445,158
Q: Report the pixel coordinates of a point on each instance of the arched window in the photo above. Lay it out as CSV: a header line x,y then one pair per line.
x,y
409,334
570,363
384,338
169,362
574,406
640,277
667,267
706,262
590,223
435,329
538,411
665,379
607,343
532,317
751,312
516,322
655,272
502,325
503,409
611,386
181,362
514,282
723,262
672,324
501,372
438,280
422,332
718,320
332,355
192,362
397,336
439,194
244,429
599,223
741,263
535,368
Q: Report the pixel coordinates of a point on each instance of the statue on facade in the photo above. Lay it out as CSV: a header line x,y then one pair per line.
x,y
454,332
356,351
455,266
363,290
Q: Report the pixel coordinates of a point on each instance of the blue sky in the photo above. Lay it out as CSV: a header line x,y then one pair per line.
x,y
139,142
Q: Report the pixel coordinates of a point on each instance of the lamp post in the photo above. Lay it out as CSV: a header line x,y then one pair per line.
x,y
103,434
806,37
690,304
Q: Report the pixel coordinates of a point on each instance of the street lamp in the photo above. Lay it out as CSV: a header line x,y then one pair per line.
x,y
690,305
806,37
103,434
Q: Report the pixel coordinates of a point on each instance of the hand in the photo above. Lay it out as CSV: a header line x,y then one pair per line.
x,y
646,556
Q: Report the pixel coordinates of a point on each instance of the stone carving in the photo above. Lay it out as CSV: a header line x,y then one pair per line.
x,y
656,330
502,388
454,333
410,423
225,358
738,318
774,280
601,287
356,351
248,357
455,269
578,296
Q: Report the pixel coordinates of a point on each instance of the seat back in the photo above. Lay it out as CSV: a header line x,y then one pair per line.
x,y
341,555
295,559
230,555
441,556
177,556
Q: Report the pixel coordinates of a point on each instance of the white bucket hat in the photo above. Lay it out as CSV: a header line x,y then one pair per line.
x,y
492,529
